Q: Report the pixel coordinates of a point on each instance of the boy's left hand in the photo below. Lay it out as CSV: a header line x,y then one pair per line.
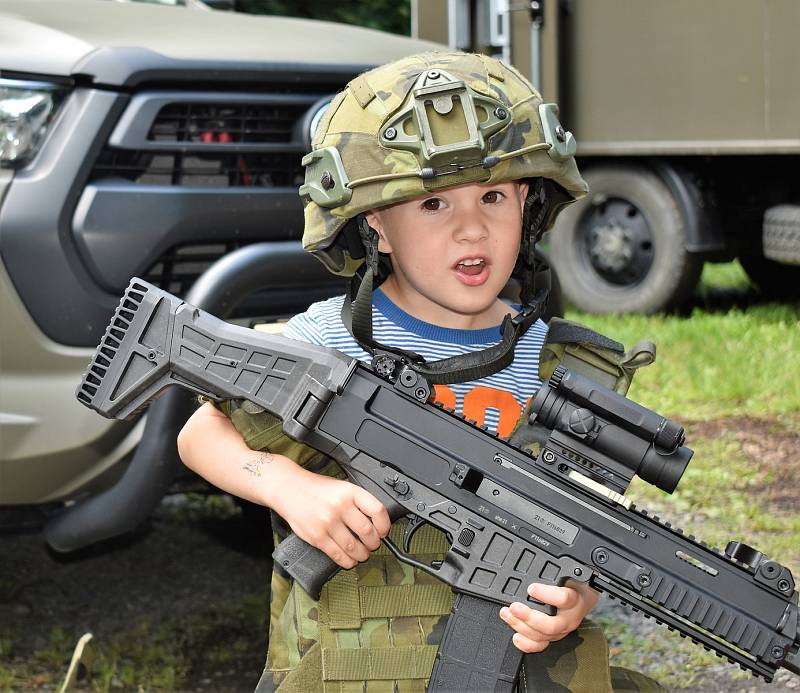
x,y
535,630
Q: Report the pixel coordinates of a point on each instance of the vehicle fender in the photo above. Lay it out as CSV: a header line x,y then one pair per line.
x,y
703,230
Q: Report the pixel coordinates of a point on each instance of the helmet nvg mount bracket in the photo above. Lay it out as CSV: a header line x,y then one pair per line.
x,y
445,124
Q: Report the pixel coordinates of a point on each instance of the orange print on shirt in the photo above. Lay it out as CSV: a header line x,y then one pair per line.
x,y
479,400
444,396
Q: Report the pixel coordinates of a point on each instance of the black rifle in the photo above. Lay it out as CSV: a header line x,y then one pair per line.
x,y
512,518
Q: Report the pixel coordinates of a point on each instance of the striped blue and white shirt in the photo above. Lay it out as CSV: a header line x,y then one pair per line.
x,y
495,401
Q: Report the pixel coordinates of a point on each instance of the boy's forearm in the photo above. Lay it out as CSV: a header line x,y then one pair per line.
x,y
211,446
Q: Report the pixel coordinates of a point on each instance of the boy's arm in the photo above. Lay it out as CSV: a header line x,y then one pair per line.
x,y
339,518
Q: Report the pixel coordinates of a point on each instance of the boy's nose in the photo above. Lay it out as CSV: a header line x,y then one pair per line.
x,y
470,226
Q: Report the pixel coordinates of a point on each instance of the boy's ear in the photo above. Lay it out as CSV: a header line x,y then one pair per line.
x,y
374,220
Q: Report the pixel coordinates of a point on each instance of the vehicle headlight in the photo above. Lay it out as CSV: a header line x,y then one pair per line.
x,y
26,110
314,116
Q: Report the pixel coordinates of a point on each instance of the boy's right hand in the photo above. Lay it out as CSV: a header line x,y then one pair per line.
x,y
337,517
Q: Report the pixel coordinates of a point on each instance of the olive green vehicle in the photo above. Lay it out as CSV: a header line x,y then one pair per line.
x,y
145,140
687,119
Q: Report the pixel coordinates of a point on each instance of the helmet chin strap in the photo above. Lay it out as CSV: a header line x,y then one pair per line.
x,y
357,306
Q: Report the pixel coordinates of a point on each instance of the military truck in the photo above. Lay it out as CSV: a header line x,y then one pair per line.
x,y
687,120
153,141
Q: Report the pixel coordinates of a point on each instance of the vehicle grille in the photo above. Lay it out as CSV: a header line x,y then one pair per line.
x,y
210,139
212,169
250,138
177,269
207,123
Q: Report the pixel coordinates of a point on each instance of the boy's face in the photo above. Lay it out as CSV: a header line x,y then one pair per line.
x,y
452,252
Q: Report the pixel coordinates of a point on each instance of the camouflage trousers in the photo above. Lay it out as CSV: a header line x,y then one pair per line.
x,y
576,664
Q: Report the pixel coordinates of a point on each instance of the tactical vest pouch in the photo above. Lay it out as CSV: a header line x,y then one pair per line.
x,y
589,353
374,620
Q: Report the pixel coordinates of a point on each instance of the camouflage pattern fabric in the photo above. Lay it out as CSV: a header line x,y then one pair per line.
x,y
380,173
578,663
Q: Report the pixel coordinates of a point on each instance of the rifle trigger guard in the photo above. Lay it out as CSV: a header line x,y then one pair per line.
x,y
414,523
408,560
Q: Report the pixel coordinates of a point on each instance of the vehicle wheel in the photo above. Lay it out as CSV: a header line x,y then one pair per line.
x,y
781,234
622,248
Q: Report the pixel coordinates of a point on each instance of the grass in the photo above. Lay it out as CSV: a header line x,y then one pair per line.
x,y
728,275
714,363
147,656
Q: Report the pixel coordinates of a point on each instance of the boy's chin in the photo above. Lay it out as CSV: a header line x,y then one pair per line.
x,y
478,315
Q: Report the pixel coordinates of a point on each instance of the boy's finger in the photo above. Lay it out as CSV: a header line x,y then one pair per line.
x,y
336,554
372,507
559,597
534,624
348,542
526,638
527,644
361,525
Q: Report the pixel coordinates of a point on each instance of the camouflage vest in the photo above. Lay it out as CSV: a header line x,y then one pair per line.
x,y
376,628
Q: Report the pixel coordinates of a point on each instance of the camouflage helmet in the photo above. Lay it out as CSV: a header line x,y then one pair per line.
x,y
420,124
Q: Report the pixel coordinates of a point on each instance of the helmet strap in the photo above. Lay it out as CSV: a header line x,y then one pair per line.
x,y
357,318
532,265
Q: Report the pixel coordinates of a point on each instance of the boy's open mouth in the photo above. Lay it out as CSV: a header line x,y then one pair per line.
x,y
471,266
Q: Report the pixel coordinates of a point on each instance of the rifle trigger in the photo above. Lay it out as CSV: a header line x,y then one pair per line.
x,y
414,523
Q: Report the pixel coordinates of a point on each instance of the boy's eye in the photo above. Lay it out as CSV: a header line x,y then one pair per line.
x,y
432,204
492,196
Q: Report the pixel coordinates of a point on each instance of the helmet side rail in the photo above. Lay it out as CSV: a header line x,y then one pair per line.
x,y
511,518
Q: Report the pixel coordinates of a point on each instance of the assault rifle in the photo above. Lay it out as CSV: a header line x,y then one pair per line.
x,y
512,518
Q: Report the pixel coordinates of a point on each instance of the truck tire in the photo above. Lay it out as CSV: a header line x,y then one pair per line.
x,y
781,234
622,248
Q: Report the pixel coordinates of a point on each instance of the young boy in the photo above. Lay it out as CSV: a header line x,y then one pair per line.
x,y
430,180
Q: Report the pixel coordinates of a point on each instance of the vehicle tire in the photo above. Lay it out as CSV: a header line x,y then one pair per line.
x,y
781,234
622,248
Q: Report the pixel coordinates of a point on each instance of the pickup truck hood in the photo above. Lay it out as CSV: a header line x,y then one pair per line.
x,y
99,39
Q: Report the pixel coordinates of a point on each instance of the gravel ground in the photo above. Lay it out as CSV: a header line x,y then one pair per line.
x,y
721,678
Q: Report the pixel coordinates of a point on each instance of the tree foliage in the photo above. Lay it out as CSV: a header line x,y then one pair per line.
x,y
388,15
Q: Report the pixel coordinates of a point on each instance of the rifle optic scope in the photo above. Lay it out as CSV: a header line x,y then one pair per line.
x,y
645,442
